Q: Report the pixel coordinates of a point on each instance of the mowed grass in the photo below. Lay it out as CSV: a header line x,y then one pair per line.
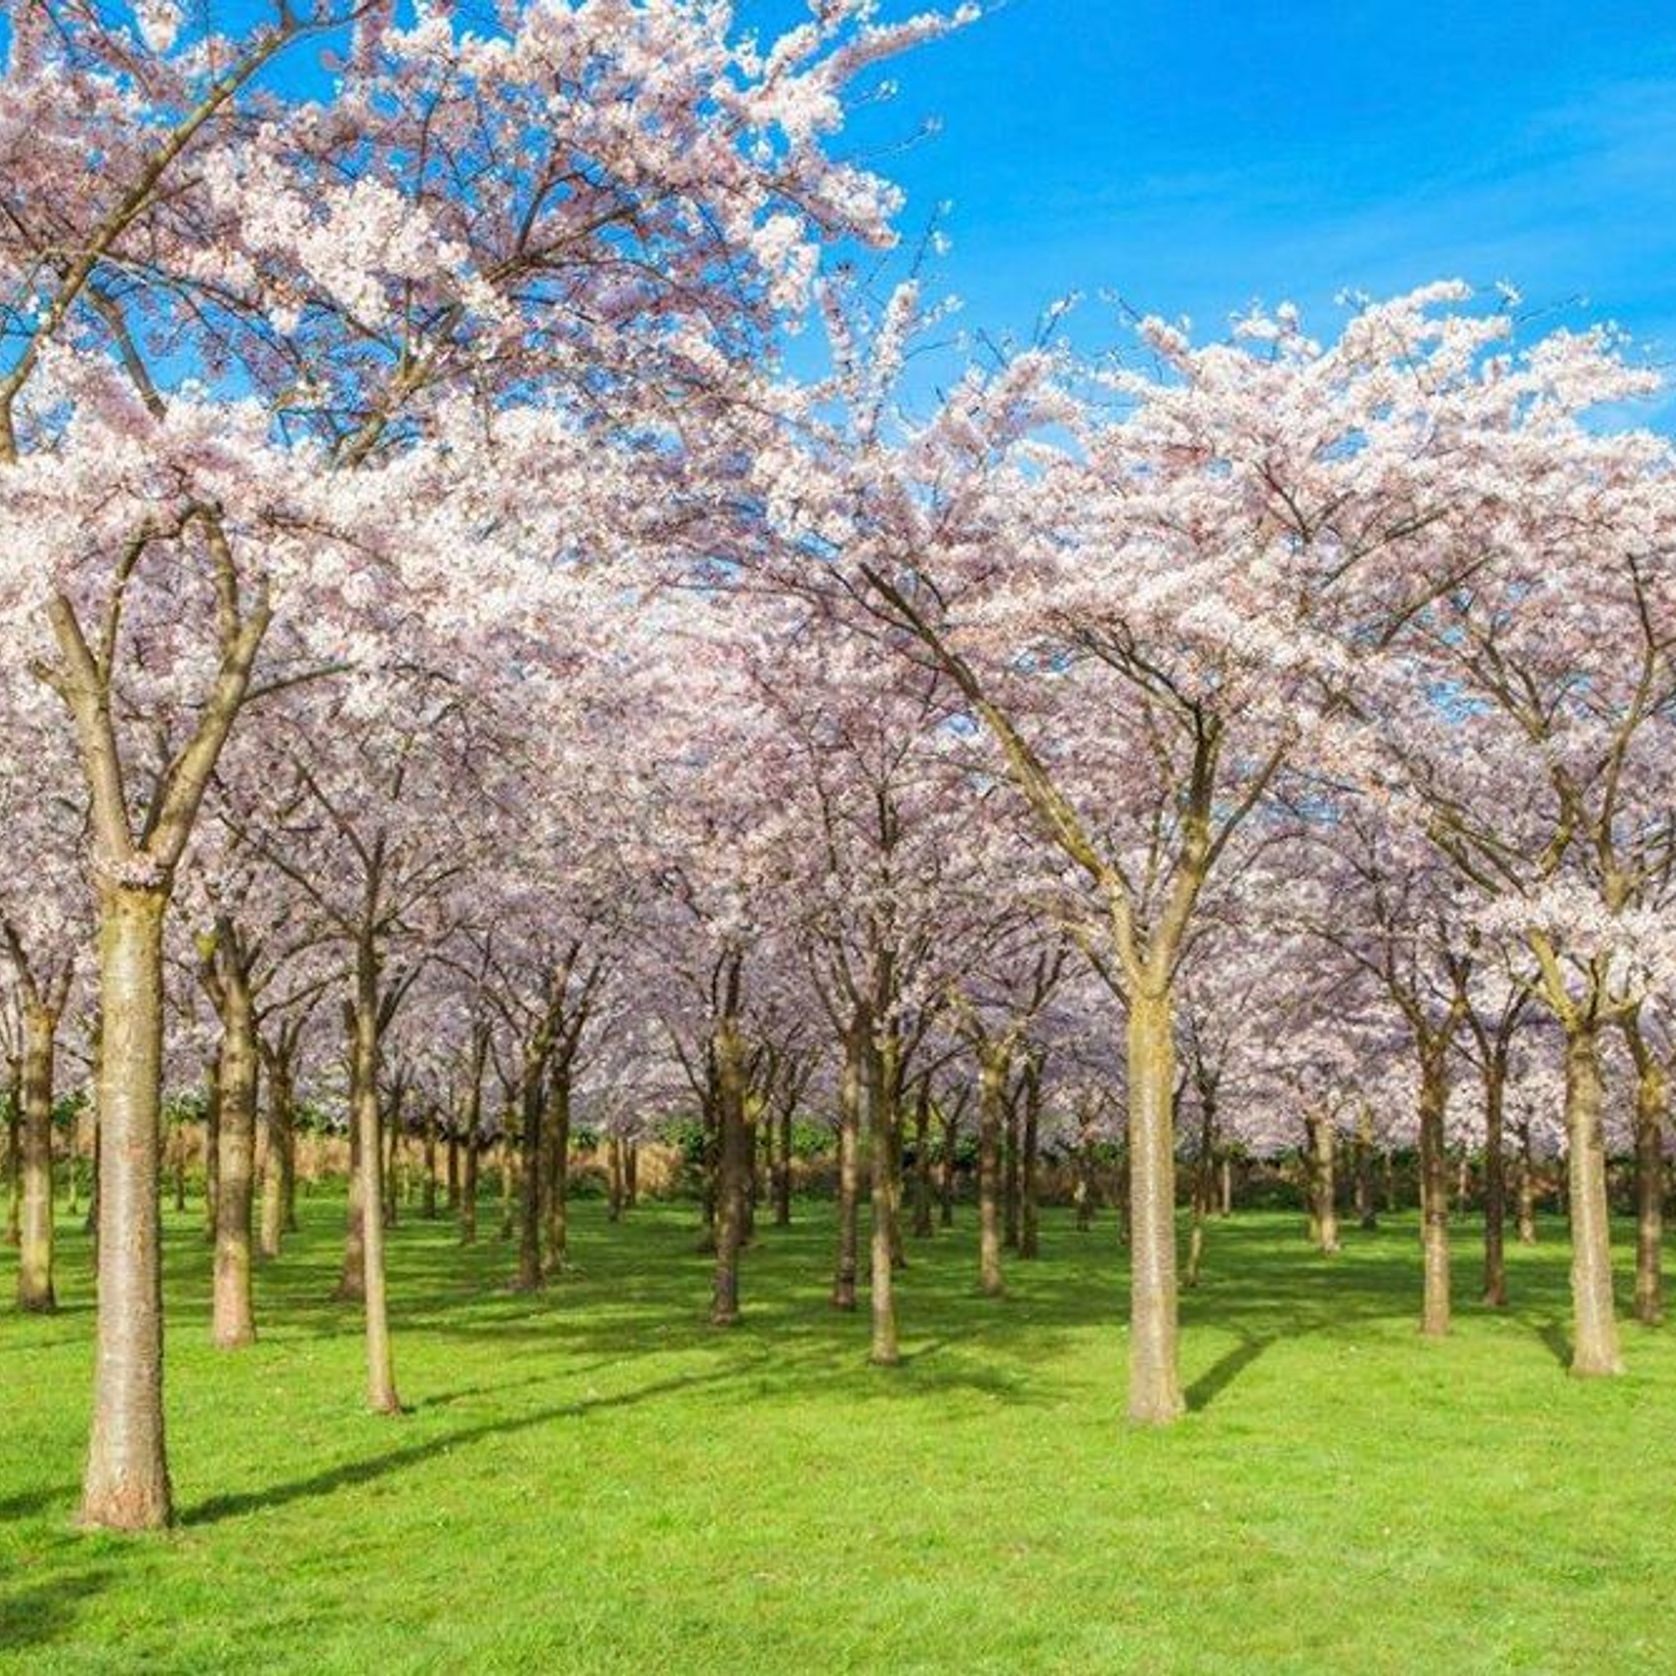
x,y
596,1480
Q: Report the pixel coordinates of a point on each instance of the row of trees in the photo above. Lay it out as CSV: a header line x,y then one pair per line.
x,y
456,668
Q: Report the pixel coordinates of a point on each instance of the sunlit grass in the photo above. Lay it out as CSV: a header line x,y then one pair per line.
x,y
595,1479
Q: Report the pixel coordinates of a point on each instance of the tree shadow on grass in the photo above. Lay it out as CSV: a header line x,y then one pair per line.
x,y
44,1612
352,1473
1224,1371
26,1502
1553,1334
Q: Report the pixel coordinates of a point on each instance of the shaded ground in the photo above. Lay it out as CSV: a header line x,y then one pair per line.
x,y
595,1480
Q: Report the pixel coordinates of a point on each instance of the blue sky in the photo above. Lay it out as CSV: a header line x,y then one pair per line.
x,y
1195,157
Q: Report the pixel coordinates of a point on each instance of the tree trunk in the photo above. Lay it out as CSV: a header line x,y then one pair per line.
x,y
14,1148
1010,1176
1527,1187
511,1188
893,1163
1434,1194
614,1177
1652,1112
532,1167
1226,1207
233,1323
631,1175
1366,1215
72,1161
352,1278
951,1135
1203,1192
468,1187
428,1205
924,1222
1649,1207
1125,1197
1155,1394
1082,1187
555,1256
381,1377
992,1099
34,1271
392,1181
90,1222
126,1486
733,1170
278,1176
453,1199
1495,1179
885,1351
1029,1184
1326,1184
782,1169
849,1164
177,1155
471,1124
212,1144
1595,1325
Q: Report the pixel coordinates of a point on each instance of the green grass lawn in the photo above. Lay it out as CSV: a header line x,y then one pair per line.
x,y
595,1479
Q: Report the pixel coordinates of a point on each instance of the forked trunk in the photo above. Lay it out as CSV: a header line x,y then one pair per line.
x,y
127,1481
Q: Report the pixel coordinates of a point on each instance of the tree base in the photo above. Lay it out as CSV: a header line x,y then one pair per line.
x,y
1607,1367
127,1508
